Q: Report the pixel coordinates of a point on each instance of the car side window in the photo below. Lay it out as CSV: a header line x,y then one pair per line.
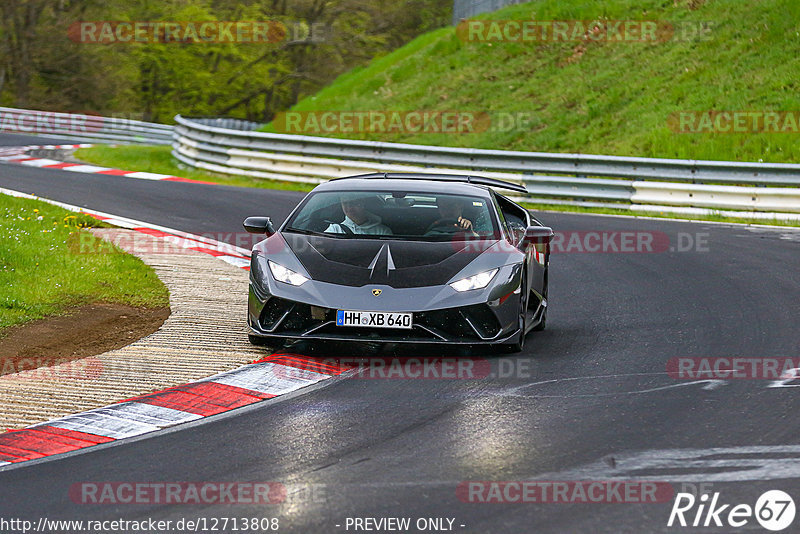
x,y
514,218
503,222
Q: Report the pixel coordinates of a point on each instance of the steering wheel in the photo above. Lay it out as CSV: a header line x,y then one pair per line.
x,y
346,229
444,226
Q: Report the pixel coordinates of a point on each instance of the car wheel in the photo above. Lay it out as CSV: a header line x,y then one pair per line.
x,y
543,322
257,340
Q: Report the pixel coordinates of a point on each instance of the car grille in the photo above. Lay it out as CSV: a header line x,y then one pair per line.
x,y
274,316
471,323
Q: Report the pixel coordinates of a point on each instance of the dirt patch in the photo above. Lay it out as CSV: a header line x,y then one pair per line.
x,y
86,331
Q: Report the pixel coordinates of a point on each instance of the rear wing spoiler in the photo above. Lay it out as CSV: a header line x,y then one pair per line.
x,y
479,180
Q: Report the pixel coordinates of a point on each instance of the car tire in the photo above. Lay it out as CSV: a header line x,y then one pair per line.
x,y
543,321
542,324
515,347
257,340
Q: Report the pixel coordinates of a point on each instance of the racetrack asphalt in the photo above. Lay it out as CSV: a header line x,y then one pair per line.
x,y
588,398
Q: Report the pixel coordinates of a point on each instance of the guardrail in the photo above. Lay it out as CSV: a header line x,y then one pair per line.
x,y
83,128
463,9
761,190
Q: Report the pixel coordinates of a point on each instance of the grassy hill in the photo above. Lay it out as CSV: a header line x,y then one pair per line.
x,y
597,97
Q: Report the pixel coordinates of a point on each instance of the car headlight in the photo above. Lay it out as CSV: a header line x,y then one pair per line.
x,y
476,281
288,276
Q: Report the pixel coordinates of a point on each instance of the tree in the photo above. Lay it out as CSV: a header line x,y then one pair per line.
x,y
42,67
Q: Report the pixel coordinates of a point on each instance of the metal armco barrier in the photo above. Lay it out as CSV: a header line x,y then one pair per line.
x,y
81,127
463,9
764,190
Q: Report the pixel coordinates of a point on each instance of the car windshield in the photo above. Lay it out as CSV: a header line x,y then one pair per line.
x,y
398,215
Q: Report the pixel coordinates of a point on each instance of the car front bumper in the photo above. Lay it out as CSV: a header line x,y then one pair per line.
x,y
487,316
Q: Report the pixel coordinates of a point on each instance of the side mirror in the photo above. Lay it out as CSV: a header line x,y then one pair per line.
x,y
259,225
537,235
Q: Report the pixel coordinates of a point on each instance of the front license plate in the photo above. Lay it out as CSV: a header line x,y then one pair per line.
x,y
374,319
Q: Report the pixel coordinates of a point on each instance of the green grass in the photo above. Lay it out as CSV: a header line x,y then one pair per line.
x,y
43,272
158,159
603,98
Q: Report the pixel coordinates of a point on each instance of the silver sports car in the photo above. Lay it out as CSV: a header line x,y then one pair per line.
x,y
418,258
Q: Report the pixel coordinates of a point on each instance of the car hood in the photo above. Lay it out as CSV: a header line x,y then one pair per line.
x,y
400,264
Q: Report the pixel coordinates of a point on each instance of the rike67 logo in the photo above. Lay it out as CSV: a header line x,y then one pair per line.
x,y
774,510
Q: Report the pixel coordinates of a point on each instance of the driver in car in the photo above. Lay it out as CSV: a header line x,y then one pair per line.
x,y
358,220
451,210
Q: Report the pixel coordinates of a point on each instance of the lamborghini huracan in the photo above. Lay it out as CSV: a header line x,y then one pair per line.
x,y
417,258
